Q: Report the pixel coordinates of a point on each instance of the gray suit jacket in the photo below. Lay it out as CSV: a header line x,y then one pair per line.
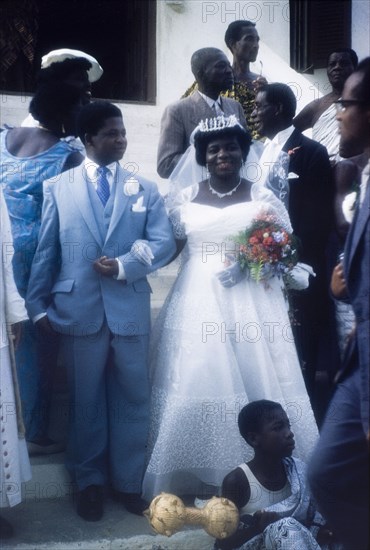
x,y
63,282
179,120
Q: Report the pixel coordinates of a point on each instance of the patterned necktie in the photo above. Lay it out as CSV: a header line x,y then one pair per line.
x,y
102,188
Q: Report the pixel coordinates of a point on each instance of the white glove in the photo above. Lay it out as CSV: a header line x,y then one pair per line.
x,y
142,252
231,276
298,277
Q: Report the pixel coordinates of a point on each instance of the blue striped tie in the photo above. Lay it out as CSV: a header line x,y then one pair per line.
x,y
102,188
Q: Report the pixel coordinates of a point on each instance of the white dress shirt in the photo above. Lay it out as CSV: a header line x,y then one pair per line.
x,y
364,182
271,151
215,104
91,169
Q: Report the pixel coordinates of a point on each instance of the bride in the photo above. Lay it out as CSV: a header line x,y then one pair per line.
x,y
222,339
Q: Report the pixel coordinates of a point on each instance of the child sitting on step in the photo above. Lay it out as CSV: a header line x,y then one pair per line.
x,y
271,491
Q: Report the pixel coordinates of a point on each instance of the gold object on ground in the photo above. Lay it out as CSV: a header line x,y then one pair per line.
x,y
167,514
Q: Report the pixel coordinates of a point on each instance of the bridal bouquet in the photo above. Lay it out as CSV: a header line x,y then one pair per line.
x,y
266,249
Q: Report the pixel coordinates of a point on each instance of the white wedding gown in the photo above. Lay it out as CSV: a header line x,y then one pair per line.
x,y
214,349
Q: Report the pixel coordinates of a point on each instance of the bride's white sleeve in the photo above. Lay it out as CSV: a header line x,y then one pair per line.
x,y
174,202
275,206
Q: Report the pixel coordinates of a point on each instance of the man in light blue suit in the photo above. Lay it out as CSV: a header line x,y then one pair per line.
x,y
103,230
338,472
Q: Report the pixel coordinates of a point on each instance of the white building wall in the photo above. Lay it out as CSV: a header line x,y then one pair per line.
x,y
361,27
184,26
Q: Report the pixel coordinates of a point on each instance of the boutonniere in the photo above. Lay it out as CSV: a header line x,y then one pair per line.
x,y
293,151
131,186
349,205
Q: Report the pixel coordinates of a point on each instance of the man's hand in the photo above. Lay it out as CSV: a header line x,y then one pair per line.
x,y
44,325
338,282
142,252
231,276
106,266
16,334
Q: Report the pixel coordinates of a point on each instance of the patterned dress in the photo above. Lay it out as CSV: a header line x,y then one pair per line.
x,y
21,179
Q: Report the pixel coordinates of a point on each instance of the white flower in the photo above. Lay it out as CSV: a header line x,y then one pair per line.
x,y
131,187
348,206
278,236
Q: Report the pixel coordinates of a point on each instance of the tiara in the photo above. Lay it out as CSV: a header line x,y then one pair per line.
x,y
218,123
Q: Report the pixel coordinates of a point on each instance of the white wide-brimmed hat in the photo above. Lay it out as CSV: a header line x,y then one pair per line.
x,y
94,73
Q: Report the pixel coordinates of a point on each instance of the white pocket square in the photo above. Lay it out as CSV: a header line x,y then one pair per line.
x,y
292,176
138,206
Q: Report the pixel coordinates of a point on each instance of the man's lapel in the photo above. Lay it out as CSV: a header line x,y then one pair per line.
x,y
227,107
294,140
357,228
200,109
120,199
79,191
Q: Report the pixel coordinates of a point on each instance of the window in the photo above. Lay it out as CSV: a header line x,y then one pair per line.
x,y
119,33
317,28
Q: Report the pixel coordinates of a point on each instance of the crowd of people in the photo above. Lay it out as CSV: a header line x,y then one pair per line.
x,y
205,403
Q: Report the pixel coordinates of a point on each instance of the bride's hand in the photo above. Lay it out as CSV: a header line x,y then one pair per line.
x,y
231,275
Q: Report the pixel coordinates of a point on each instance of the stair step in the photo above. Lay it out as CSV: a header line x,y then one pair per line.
x,y
52,524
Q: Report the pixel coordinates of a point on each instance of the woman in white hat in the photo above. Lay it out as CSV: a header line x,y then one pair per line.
x,y
72,67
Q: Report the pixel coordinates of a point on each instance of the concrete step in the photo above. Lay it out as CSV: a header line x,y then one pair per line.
x,y
52,524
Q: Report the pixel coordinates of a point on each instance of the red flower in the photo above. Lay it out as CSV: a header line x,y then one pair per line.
x,y
266,248
293,151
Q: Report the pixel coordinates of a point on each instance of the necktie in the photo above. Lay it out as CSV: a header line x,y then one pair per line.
x,y
102,188
217,108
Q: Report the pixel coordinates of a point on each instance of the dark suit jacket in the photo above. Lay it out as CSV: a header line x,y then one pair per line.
x,y
357,274
179,120
311,195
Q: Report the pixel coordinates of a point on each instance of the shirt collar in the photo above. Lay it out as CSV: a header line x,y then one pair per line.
x,y
366,170
91,168
211,101
281,137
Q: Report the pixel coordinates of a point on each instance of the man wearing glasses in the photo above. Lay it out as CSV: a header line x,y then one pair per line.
x,y
338,471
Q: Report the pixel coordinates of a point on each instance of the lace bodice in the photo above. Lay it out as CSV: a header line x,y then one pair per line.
x,y
210,230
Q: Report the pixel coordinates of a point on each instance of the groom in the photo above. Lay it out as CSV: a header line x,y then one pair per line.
x,y
102,232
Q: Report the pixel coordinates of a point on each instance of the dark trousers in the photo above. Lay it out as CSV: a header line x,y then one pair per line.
x,y
338,470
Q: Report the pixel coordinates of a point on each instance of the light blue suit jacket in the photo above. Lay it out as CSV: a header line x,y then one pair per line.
x,y
63,282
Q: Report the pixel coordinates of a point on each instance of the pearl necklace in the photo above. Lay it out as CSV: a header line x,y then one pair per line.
x,y
221,195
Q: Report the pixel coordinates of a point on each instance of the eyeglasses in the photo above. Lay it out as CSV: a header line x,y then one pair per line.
x,y
342,104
